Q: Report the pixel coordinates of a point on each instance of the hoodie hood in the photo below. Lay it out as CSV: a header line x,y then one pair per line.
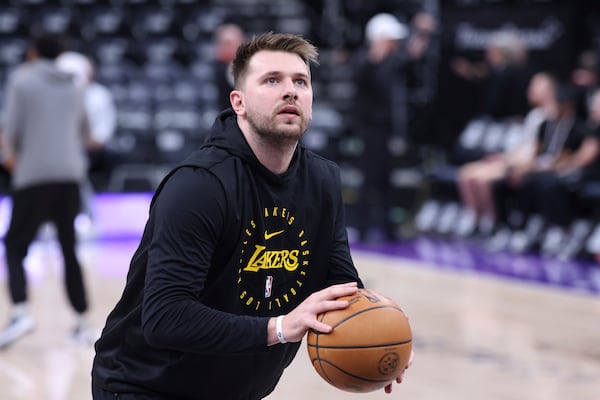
x,y
226,135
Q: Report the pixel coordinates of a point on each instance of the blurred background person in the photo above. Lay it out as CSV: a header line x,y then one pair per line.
x,y
45,134
102,116
556,192
475,179
516,194
379,78
227,39
101,111
584,76
422,49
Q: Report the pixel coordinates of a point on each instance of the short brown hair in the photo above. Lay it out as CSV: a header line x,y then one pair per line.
x,y
274,42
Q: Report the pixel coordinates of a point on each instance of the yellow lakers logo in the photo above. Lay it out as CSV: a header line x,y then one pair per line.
x,y
271,272
272,259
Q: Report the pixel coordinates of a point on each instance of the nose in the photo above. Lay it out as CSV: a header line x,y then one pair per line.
x,y
290,90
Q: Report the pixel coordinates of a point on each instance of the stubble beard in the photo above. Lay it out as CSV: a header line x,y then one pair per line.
x,y
268,131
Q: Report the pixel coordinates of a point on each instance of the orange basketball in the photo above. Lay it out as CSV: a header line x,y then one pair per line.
x,y
369,346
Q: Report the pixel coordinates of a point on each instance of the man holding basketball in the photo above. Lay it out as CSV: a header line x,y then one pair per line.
x,y
244,246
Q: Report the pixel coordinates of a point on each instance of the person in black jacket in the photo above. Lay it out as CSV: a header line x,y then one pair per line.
x,y
528,190
244,246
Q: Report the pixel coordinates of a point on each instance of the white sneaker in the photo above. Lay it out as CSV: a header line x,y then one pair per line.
x,y
84,334
19,326
519,242
426,217
447,218
499,241
554,241
485,226
466,223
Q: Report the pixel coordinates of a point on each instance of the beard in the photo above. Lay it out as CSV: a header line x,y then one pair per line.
x,y
279,133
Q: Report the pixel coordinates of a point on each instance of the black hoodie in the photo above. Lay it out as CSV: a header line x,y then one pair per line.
x,y
227,245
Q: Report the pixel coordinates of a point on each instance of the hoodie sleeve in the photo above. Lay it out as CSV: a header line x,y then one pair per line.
x,y
189,215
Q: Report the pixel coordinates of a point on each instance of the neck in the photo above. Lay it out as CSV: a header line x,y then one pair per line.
x,y
275,154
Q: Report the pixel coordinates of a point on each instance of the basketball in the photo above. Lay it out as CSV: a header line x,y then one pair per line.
x,y
369,346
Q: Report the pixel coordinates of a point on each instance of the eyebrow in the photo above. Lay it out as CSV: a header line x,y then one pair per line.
x,y
279,73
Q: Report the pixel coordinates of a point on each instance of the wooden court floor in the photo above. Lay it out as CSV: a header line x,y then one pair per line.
x,y
475,336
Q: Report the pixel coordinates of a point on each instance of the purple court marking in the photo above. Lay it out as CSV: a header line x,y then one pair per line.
x,y
464,256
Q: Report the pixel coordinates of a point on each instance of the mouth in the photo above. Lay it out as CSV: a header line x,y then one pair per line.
x,y
289,111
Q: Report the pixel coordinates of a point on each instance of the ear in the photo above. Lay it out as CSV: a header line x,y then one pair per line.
x,y
236,98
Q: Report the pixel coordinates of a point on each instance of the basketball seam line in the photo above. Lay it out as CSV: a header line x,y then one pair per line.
x,y
364,311
374,380
359,347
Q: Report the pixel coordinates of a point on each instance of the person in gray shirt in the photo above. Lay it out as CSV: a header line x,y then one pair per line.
x,y
45,133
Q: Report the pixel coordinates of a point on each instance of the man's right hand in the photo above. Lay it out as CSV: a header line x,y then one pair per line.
x,y
297,322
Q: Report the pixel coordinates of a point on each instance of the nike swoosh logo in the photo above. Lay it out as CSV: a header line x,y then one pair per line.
x,y
272,234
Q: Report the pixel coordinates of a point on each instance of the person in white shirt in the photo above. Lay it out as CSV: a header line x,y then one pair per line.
x,y
102,116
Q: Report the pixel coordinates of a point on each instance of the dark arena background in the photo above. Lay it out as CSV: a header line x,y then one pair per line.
x,y
500,309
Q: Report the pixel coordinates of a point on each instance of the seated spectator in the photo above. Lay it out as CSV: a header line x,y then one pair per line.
x,y
557,192
523,198
474,179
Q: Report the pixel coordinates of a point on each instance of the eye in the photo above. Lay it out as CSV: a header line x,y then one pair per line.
x,y
301,82
271,80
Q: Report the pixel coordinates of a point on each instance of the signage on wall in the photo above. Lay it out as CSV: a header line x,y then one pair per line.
x,y
548,31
